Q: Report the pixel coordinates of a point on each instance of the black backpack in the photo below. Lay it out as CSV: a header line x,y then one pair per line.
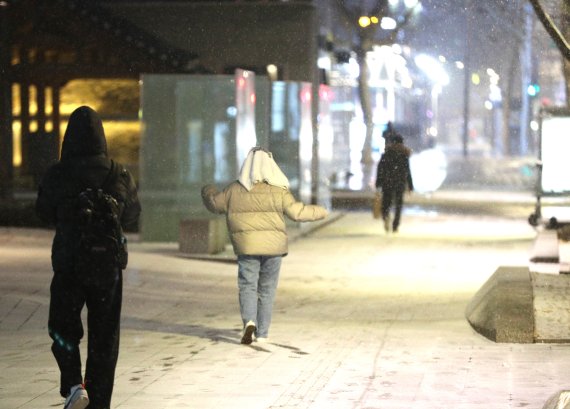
x,y
102,245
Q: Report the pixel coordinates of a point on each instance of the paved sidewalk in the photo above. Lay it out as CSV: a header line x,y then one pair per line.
x,y
510,204
362,320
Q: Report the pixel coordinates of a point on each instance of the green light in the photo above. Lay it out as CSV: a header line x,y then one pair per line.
x,y
533,90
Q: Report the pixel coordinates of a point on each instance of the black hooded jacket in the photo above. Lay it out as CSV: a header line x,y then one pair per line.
x,y
394,168
83,164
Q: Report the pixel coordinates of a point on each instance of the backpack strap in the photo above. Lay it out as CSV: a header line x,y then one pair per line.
x,y
109,184
112,176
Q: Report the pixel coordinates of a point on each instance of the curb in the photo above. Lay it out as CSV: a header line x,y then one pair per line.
x,y
294,233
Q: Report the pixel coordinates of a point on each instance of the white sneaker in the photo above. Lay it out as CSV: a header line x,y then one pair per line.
x,y
77,398
249,329
262,340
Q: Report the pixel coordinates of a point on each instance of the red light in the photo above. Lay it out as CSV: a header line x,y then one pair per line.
x,y
305,96
241,82
325,93
252,98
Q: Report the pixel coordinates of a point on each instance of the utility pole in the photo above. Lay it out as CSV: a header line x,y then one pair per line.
x,y
566,33
526,73
466,79
6,143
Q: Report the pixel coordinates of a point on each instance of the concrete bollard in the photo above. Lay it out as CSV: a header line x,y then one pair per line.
x,y
502,310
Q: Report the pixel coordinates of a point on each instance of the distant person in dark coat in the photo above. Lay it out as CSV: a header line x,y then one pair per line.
x,y
393,176
84,164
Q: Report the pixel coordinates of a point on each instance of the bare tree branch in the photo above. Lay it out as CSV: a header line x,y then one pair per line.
x,y
551,28
351,15
380,8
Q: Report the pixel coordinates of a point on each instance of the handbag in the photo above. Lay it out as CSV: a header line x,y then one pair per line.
x,y
377,206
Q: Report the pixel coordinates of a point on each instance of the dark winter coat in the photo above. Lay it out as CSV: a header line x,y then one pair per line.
x,y
394,168
83,164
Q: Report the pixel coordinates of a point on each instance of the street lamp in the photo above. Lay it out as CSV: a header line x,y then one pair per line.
x,y
364,21
388,23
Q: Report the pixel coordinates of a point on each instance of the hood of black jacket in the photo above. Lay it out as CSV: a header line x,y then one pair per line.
x,y
399,148
84,135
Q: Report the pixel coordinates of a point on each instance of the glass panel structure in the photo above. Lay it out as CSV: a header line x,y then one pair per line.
x,y
197,129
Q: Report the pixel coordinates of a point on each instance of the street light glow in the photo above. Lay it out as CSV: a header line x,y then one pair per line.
x,y
353,68
324,62
495,92
388,23
411,3
475,79
432,68
364,21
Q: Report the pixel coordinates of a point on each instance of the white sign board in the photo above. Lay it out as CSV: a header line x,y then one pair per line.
x,y
555,154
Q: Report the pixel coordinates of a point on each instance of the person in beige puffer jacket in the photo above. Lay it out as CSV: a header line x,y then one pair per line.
x,y
255,206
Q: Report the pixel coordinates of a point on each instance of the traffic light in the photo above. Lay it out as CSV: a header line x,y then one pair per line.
x,y
533,90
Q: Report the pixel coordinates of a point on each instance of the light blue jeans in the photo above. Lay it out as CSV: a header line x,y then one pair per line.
x,y
257,282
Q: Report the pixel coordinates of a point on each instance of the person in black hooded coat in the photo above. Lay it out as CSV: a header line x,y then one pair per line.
x,y
84,164
393,176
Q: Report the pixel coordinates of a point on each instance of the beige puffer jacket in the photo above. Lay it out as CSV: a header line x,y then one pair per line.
x,y
256,219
